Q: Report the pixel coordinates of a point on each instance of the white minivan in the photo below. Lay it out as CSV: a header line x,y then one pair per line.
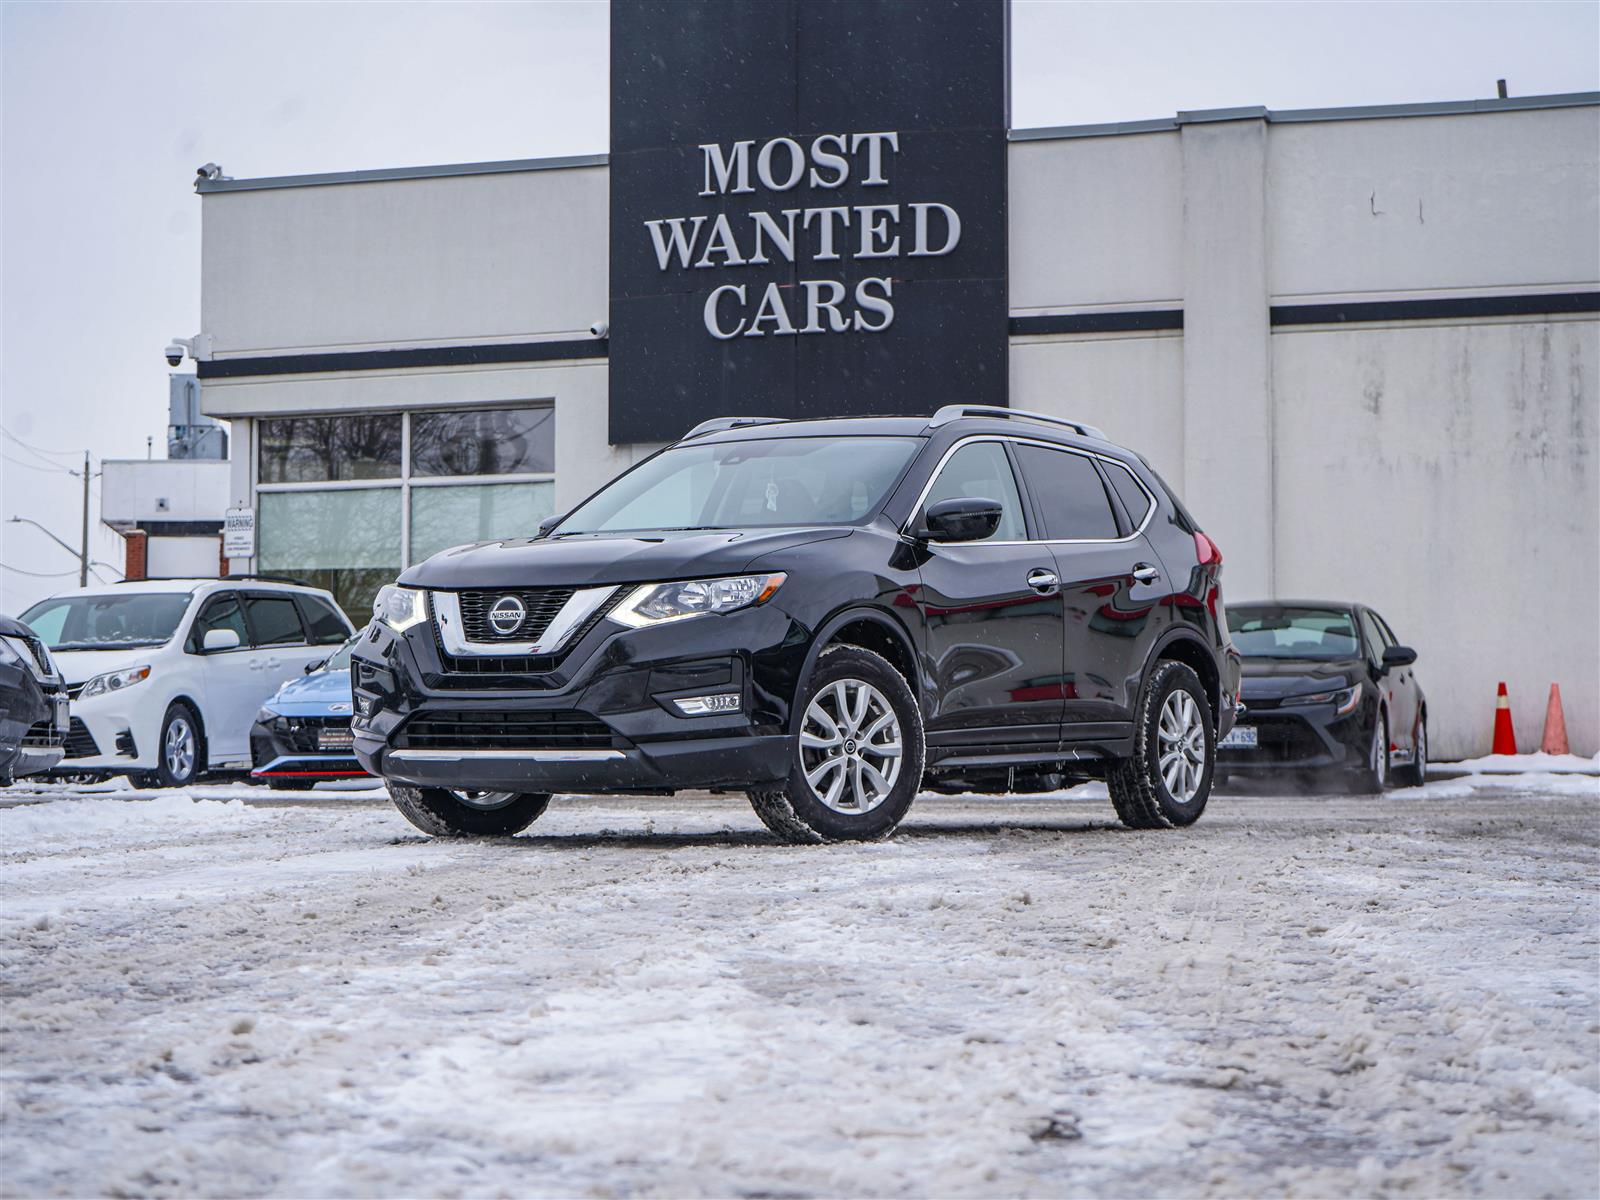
x,y
165,676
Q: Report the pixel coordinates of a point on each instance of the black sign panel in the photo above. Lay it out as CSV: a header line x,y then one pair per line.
x,y
808,209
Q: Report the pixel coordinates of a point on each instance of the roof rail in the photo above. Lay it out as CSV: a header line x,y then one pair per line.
x,y
216,578
719,424
954,412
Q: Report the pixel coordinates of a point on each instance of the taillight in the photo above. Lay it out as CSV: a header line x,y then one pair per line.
x,y
1206,550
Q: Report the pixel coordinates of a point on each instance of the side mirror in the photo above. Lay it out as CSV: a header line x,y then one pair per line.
x,y
550,522
315,666
1398,656
220,639
966,519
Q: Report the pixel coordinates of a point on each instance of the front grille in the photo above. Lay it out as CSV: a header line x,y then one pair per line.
x,y
74,690
510,665
80,742
42,736
40,656
299,734
447,730
540,604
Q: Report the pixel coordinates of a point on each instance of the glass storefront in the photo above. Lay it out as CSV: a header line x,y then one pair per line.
x,y
346,502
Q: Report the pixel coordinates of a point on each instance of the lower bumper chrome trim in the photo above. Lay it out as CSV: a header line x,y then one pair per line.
x,y
404,756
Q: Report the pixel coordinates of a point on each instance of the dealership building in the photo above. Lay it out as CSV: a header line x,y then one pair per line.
x,y
1362,343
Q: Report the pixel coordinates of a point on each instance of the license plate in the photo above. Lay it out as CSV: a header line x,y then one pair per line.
x,y
1241,735
335,739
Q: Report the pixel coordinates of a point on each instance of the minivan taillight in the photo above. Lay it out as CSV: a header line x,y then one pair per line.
x,y
1206,550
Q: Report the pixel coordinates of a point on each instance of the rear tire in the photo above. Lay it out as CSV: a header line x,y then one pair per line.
x,y
1168,779
440,812
853,709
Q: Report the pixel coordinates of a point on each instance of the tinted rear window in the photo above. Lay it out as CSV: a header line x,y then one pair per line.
x,y
274,621
1067,492
327,626
1134,498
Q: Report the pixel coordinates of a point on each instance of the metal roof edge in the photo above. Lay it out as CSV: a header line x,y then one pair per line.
x,y
510,166
1293,116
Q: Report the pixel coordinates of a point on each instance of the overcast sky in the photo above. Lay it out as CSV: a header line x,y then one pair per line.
x,y
108,109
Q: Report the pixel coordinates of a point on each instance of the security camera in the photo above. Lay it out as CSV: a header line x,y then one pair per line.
x,y
599,329
209,171
175,352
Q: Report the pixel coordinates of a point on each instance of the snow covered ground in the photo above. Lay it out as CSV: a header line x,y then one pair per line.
x,y
1304,995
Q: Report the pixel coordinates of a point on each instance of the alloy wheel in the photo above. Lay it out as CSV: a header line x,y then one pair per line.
x,y
178,749
1181,746
486,801
850,747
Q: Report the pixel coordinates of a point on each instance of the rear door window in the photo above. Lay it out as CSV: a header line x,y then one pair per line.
x,y
274,621
981,471
1067,494
1135,500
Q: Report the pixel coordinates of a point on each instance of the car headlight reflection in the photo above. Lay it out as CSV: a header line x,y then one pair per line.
x,y
1344,700
114,681
400,607
657,603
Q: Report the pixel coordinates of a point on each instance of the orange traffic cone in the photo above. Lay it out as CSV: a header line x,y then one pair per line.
x,y
1505,737
1555,724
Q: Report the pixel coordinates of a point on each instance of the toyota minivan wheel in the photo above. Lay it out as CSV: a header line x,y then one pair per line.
x,y
857,754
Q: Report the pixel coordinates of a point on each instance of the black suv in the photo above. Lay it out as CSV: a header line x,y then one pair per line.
x,y
829,615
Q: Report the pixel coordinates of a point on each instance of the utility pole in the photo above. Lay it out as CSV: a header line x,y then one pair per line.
x,y
83,560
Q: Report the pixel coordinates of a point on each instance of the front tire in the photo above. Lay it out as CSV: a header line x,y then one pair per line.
x,y
1168,779
180,750
440,812
856,755
1371,778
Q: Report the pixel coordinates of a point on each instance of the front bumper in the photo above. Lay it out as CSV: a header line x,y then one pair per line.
x,y
1311,738
114,733
608,705
296,755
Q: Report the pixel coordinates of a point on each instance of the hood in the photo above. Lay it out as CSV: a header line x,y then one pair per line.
x,y
320,694
592,560
80,666
1275,678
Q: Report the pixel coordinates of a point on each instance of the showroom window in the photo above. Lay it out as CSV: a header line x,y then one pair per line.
x,y
347,502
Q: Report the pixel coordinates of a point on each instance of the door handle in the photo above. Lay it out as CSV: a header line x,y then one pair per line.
x,y
1145,573
271,664
1041,580
255,664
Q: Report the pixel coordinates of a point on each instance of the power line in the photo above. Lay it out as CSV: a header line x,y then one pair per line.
x,y
36,467
37,574
38,451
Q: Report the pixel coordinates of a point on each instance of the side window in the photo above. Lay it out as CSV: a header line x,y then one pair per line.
x,y
981,470
1133,497
220,612
327,626
274,621
1384,628
1068,493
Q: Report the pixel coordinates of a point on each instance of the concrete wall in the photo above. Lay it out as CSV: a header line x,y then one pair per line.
x,y
163,489
1442,469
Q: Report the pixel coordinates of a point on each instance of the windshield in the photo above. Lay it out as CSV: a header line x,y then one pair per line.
x,y
108,622
749,484
341,657
1276,632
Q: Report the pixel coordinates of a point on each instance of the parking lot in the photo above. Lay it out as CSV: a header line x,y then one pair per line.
x,y
226,992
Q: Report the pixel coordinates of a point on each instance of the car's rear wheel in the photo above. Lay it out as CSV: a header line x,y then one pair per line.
x,y
1167,780
444,812
856,757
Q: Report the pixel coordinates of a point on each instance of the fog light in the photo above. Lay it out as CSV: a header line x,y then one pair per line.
x,y
705,706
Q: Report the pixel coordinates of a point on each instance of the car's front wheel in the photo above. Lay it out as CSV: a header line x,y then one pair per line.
x,y
1167,780
180,750
443,812
1373,776
856,758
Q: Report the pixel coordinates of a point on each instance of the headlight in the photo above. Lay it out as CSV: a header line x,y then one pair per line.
x,y
1344,700
400,607
655,603
266,717
8,652
114,681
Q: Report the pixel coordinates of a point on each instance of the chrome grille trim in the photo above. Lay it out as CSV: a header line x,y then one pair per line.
x,y
453,634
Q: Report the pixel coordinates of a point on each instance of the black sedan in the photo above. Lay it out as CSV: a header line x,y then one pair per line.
x,y
1327,687
33,704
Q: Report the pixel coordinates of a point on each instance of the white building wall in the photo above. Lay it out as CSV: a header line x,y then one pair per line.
x,y
164,489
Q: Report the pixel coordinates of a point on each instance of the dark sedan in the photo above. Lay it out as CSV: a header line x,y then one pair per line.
x,y
33,704
1327,687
